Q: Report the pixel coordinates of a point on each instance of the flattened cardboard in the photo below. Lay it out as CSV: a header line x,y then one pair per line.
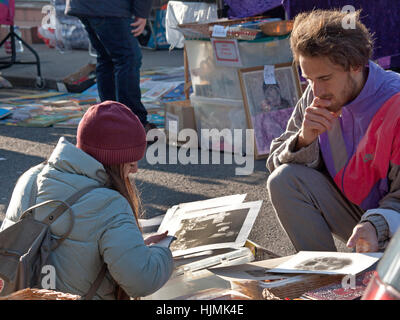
x,y
183,113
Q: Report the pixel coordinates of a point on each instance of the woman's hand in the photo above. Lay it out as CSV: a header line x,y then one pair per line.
x,y
155,238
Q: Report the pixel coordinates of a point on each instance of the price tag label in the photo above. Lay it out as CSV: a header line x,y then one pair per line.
x,y
219,31
269,74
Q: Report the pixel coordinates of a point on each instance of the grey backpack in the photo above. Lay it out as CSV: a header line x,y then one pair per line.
x,y
26,245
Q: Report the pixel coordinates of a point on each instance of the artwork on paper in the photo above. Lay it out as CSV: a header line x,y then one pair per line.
x,y
197,206
328,262
269,95
217,228
213,228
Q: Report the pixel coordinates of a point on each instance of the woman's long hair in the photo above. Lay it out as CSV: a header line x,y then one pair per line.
x,y
126,187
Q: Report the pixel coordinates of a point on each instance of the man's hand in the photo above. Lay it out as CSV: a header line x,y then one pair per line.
x,y
364,238
317,120
138,25
155,238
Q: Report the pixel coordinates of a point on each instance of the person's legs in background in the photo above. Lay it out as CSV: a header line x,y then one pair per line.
x,y
121,49
104,66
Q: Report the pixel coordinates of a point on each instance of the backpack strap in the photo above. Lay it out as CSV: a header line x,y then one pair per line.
x,y
61,208
96,284
54,215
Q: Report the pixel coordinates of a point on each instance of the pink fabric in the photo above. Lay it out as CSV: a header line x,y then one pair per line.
x,y
7,10
268,126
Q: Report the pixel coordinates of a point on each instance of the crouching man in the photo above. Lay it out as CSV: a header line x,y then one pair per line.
x,y
336,169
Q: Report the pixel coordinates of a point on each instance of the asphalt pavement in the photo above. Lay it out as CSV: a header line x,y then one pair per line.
x,y
161,185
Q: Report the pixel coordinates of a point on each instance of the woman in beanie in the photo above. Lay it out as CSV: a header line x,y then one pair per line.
x,y
110,142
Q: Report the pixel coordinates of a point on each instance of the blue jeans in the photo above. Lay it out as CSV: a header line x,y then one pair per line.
x,y
118,61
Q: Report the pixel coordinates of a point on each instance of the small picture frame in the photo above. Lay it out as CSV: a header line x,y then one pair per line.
x,y
270,94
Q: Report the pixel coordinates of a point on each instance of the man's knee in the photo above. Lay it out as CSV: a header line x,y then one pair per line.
x,y
280,177
279,181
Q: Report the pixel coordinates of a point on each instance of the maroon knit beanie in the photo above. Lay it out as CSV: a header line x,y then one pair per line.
x,y
112,134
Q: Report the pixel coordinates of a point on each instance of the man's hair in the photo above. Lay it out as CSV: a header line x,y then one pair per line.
x,y
321,33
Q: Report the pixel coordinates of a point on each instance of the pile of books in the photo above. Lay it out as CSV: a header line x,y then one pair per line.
x,y
65,110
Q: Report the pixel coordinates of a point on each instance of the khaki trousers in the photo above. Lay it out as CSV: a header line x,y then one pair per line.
x,y
311,208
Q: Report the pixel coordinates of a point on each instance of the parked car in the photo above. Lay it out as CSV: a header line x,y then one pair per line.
x,y
385,284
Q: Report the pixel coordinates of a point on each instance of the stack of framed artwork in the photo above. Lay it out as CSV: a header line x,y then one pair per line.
x,y
231,91
227,80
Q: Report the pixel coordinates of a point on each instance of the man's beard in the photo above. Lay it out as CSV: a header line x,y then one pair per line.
x,y
348,94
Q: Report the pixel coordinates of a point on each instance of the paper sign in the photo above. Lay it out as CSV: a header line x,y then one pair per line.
x,y
269,74
219,31
226,52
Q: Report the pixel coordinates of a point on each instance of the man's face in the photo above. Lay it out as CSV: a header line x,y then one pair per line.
x,y
330,81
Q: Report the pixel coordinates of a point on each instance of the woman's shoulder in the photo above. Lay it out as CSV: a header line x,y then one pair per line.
x,y
110,209
105,196
19,201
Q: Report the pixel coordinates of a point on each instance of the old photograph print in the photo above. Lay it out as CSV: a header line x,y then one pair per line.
x,y
328,262
221,227
324,263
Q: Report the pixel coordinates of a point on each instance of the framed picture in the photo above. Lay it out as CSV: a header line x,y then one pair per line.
x,y
270,94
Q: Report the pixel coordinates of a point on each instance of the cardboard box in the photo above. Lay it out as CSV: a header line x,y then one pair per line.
x,y
179,115
81,80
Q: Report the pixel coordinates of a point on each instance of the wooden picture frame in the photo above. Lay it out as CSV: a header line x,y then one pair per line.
x,y
268,107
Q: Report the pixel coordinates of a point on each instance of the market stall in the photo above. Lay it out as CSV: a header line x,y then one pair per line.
x,y
242,78
227,62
